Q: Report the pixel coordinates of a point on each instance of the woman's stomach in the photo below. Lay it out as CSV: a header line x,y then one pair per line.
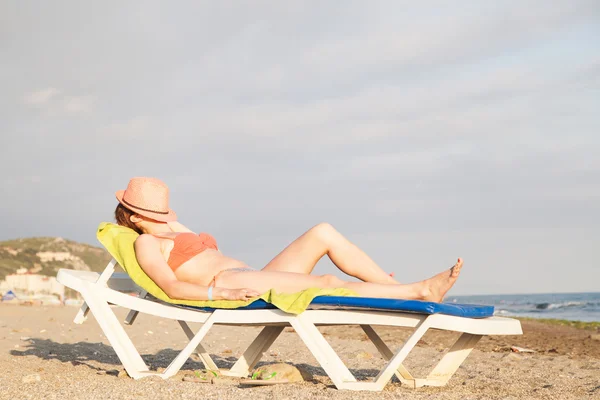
x,y
202,268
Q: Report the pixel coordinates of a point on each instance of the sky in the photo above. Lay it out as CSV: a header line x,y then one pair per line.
x,y
421,132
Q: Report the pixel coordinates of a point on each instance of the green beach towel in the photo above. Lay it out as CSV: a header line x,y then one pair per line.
x,y
119,240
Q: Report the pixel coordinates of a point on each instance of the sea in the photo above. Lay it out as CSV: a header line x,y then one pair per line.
x,y
569,306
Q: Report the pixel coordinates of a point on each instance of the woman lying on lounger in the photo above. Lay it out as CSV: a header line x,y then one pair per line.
x,y
190,266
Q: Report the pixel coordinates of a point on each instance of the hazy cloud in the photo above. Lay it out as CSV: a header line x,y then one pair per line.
x,y
41,96
54,103
78,105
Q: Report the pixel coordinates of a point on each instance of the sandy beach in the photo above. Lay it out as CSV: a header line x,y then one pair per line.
x,y
43,354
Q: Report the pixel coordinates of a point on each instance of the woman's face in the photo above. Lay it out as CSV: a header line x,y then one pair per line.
x,y
144,223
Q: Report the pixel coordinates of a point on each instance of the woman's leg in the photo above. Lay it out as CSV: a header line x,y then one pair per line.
x,y
303,254
432,289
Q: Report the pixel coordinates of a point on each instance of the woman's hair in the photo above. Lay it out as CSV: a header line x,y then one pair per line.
x,y
123,217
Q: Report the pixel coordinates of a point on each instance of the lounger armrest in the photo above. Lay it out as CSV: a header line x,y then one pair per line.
x,y
74,279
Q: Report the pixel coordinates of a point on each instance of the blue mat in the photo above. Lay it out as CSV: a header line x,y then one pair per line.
x,y
363,303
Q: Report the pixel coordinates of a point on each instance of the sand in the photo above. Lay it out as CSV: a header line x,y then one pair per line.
x,y
43,355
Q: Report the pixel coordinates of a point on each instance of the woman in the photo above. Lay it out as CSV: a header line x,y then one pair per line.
x,y
189,266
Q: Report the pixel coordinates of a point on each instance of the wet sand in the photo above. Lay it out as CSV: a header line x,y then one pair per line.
x,y
43,354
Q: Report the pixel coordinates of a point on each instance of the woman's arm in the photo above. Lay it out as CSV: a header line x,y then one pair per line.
x,y
189,291
147,251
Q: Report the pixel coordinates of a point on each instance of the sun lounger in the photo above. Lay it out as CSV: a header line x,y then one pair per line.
x,y
100,290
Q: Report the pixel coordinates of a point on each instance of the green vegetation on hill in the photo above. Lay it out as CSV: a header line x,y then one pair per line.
x,y
24,253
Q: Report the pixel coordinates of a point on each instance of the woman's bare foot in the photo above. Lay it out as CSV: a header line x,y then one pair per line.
x,y
436,288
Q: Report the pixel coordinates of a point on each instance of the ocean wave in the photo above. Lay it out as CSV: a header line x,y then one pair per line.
x,y
542,306
554,306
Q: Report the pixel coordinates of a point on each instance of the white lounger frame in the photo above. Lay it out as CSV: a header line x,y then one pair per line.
x,y
100,290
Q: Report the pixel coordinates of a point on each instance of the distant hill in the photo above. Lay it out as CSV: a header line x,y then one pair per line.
x,y
46,255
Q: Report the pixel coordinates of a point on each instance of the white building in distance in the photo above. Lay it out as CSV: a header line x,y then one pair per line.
x,y
32,284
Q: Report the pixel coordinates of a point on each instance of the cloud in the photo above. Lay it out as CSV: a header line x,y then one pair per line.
x,y
78,105
41,97
56,103
133,128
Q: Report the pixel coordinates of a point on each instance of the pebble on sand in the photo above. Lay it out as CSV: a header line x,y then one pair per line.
x,y
517,349
363,355
282,371
31,378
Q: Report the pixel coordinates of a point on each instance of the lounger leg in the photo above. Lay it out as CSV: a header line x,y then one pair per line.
x,y
448,365
402,373
200,350
103,278
386,374
323,352
116,335
132,314
181,358
255,351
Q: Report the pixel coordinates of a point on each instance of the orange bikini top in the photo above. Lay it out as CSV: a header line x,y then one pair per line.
x,y
186,245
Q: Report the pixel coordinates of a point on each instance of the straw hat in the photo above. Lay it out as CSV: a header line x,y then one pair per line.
x,y
148,197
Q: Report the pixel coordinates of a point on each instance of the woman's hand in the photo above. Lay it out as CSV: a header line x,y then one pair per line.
x,y
238,294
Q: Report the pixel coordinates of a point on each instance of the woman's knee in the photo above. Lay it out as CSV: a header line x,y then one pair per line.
x,y
324,231
331,281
